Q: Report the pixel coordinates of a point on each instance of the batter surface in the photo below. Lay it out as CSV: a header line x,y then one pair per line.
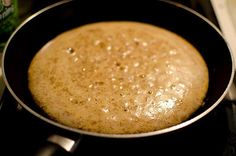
x,y
118,78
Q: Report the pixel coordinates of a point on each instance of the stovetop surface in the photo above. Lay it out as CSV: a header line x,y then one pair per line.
x,y
21,133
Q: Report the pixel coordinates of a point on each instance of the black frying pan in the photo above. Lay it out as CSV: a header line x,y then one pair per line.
x,y
37,30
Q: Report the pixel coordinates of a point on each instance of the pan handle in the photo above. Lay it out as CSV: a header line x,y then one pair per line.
x,y
57,145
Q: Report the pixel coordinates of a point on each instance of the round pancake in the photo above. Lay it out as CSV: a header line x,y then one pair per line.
x,y
118,78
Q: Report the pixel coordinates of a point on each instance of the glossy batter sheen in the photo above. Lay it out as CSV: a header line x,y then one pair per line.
x,y
118,78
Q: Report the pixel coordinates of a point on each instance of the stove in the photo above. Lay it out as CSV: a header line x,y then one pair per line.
x,y
21,133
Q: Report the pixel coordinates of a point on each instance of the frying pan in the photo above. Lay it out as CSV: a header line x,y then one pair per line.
x,y
43,26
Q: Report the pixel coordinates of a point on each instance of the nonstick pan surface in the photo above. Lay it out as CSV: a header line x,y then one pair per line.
x,y
37,30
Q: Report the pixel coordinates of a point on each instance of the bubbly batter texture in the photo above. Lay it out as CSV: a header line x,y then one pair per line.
x,y
118,78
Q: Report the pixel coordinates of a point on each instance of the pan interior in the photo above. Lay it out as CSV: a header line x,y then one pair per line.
x,y
48,23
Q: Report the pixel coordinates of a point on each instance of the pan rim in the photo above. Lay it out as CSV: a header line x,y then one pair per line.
x,y
135,135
